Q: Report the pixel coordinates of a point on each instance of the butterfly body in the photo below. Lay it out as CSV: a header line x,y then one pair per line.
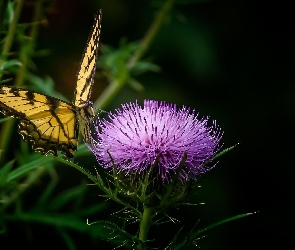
x,y
49,123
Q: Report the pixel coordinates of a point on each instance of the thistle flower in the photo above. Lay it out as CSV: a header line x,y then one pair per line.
x,y
135,138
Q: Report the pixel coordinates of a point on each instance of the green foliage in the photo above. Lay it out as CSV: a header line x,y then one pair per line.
x,y
121,236
119,68
3,8
195,234
9,65
47,210
114,63
21,169
67,209
224,151
4,119
44,86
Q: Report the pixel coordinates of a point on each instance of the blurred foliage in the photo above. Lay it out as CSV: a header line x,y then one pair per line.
x,y
228,59
22,169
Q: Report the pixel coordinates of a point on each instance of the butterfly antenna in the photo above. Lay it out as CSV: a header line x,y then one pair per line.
x,y
99,111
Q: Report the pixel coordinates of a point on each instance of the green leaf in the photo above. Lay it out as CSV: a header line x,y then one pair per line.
x,y
24,169
4,119
10,8
44,86
10,64
76,166
4,171
114,62
73,194
66,237
62,220
136,85
82,150
173,242
118,232
95,209
44,197
144,66
192,237
225,151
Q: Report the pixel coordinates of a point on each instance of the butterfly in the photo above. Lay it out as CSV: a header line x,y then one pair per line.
x,y
49,123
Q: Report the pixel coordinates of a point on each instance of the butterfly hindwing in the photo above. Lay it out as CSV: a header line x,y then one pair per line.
x,y
49,123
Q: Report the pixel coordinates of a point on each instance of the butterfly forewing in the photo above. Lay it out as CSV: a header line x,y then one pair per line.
x,y
85,76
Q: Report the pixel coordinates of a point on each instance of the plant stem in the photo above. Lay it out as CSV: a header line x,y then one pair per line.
x,y
7,126
109,93
28,48
116,84
145,223
26,52
11,31
151,33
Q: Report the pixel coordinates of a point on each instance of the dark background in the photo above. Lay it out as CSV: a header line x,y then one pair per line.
x,y
230,60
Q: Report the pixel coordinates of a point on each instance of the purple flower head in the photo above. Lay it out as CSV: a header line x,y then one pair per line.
x,y
134,138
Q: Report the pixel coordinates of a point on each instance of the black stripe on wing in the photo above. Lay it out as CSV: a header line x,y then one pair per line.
x,y
49,123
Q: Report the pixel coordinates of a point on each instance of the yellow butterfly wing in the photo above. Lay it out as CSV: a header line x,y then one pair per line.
x,y
85,79
49,123
88,65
